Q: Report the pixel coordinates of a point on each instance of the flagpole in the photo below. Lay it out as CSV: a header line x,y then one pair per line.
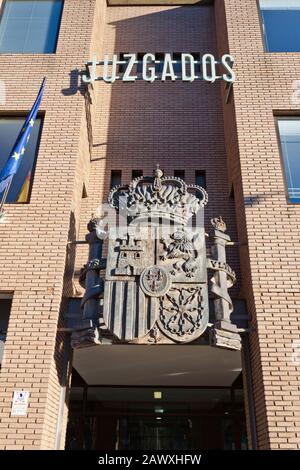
x,y
13,162
4,197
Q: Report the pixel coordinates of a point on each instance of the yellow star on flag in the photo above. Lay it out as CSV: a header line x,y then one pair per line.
x,y
16,156
31,122
23,151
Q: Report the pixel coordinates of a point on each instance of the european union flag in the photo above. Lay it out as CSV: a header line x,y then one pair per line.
x,y
14,160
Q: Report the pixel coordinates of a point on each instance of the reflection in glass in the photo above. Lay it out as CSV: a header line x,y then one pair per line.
x,y
281,19
30,26
9,131
129,418
289,130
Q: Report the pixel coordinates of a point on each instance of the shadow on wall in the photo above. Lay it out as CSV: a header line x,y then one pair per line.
x,y
76,84
167,123
176,124
62,347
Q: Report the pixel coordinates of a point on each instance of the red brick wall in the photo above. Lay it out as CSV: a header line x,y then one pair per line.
x,y
135,126
235,183
178,125
33,240
269,226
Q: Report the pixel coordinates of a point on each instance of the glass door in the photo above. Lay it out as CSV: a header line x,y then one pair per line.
x,y
147,418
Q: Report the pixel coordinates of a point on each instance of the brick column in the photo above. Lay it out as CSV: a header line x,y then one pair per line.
x,y
37,263
268,225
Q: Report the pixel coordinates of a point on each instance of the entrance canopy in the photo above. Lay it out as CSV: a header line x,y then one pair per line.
x,y
159,365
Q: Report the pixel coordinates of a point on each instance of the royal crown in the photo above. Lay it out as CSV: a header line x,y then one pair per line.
x,y
160,196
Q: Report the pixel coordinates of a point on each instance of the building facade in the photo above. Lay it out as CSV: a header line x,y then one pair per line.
x,y
237,140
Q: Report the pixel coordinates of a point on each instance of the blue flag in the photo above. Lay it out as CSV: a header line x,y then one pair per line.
x,y
14,160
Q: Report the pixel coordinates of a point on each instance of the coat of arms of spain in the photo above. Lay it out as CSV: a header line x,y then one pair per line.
x,y
156,287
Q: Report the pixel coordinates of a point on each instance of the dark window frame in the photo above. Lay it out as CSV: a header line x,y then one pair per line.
x,y
121,68
159,56
176,56
6,296
2,8
159,67
283,117
177,172
137,174
262,28
178,67
198,67
112,174
203,174
139,67
41,116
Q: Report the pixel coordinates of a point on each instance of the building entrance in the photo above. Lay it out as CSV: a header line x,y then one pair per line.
x,y
156,418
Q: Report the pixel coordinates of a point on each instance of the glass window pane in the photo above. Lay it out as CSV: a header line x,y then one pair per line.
x,y
9,131
30,26
160,56
178,66
289,131
13,39
198,69
139,67
200,178
281,19
115,178
179,174
5,307
137,174
122,67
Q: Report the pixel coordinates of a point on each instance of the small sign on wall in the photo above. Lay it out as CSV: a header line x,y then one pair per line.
x,y
20,403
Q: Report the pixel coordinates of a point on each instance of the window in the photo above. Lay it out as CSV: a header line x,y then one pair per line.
x,y
200,178
73,313
197,58
9,131
280,21
122,67
178,66
139,67
115,178
179,174
137,174
30,26
289,131
159,56
5,308
84,194
176,57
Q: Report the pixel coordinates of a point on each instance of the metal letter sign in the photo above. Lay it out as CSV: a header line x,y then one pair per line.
x,y
146,68
156,285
